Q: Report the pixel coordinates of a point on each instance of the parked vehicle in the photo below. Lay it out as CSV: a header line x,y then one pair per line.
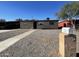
x,y
64,23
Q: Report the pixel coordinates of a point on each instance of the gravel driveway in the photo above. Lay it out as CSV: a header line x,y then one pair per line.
x,y
41,43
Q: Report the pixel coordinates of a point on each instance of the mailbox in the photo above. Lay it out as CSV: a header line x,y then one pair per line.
x,y
67,30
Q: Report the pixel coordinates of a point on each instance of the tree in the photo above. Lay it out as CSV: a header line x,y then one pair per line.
x,y
69,10
47,18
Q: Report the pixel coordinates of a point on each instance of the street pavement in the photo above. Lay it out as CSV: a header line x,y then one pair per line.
x,y
1,31
7,34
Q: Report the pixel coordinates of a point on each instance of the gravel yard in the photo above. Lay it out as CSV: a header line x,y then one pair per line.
x,y
41,43
6,35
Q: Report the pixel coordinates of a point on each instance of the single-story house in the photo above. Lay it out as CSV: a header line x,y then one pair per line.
x,y
30,24
39,24
26,24
9,25
47,24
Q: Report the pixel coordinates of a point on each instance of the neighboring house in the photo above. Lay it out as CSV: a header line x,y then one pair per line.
x,y
2,25
39,24
30,24
47,24
65,23
12,25
26,24
9,25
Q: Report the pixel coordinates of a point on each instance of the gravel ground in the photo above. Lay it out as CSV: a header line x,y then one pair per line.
x,y
77,45
9,34
41,43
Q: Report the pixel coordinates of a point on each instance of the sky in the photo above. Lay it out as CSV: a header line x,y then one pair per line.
x,y
39,10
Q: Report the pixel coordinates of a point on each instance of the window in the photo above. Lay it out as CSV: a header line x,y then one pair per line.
x,y
40,23
51,22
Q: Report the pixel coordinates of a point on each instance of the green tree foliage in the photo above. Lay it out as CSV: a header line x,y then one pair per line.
x,y
69,10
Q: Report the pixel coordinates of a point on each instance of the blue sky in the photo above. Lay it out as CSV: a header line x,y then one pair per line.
x,y
29,9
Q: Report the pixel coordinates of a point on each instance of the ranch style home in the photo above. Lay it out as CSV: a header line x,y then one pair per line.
x,y
33,24
30,24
